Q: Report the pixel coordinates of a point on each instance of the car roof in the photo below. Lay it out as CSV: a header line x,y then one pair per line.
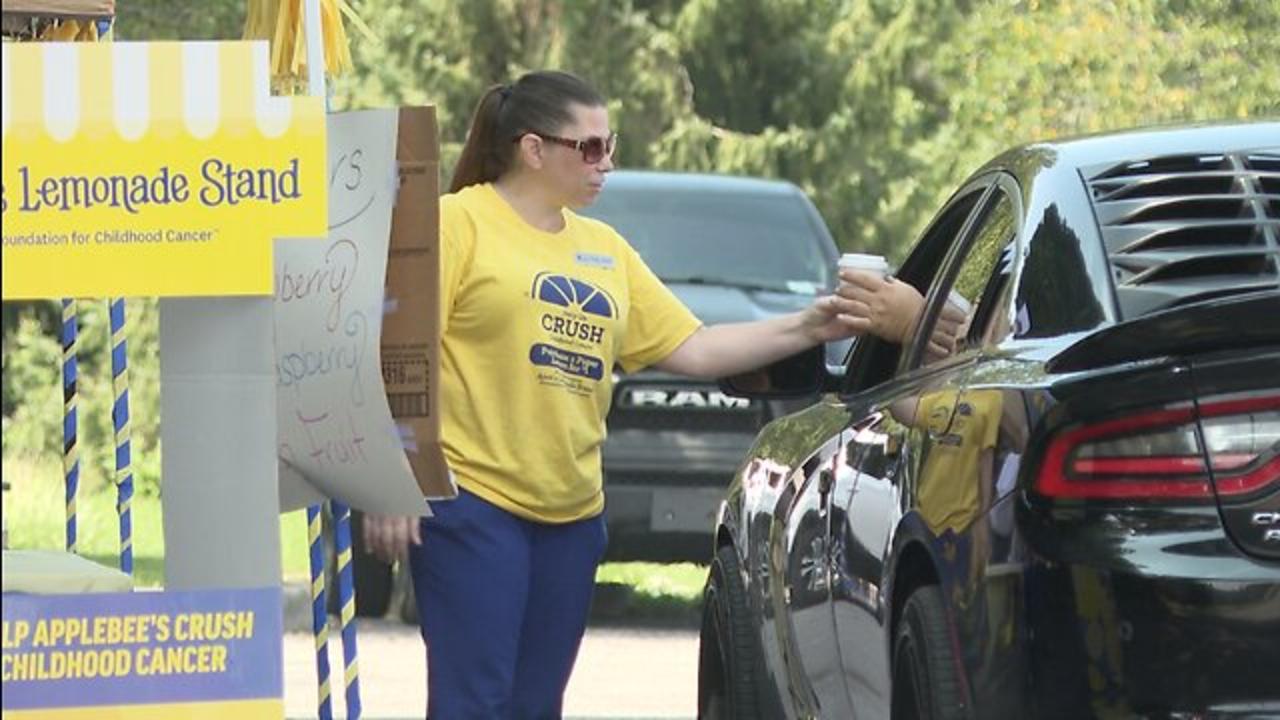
x,y
1090,151
642,180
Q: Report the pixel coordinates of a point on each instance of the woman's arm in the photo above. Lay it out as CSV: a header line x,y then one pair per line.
x,y
732,348
863,303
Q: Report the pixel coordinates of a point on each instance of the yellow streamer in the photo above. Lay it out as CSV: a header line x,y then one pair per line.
x,y
281,22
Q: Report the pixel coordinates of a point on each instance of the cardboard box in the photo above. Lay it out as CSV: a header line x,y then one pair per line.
x,y
410,343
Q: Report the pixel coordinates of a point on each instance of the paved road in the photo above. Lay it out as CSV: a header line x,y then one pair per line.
x,y
621,673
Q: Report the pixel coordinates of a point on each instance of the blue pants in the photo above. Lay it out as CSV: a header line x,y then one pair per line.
x,y
502,603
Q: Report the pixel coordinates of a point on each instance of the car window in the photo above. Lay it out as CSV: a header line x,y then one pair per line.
x,y
979,284
769,240
874,360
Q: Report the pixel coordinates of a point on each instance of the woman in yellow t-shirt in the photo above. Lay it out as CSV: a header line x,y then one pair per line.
x,y
538,306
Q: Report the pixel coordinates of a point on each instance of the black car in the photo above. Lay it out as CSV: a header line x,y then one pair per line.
x,y
732,249
1077,512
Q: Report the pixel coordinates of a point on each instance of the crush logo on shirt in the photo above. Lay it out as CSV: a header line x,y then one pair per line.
x,y
573,293
572,319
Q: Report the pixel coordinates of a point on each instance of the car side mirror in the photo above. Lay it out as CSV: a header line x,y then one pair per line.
x,y
805,373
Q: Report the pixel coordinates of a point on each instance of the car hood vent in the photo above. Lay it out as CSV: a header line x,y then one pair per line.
x,y
1185,228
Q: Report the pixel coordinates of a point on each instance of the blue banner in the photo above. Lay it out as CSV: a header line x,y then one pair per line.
x,y
113,649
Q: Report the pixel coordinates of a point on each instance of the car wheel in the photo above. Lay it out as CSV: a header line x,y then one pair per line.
x,y
925,685
727,655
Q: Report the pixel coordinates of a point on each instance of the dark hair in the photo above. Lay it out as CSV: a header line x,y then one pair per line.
x,y
538,101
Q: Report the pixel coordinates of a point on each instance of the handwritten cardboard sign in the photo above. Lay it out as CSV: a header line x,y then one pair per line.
x,y
336,427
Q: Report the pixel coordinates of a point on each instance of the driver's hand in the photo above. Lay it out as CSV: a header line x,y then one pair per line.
x,y
952,325
891,308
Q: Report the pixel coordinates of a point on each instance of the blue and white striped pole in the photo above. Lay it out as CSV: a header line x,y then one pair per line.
x,y
120,420
347,600
70,420
341,513
319,614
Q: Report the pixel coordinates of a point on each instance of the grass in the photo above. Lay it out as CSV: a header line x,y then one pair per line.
x,y
33,511
649,593
632,591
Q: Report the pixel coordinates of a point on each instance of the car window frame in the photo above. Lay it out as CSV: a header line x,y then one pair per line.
x,y
1003,185
869,349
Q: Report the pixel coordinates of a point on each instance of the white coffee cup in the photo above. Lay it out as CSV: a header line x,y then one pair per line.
x,y
958,301
875,264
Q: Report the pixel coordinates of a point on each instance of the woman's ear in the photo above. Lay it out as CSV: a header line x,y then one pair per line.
x,y
529,151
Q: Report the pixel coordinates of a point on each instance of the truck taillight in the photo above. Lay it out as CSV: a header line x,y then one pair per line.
x,y
1160,454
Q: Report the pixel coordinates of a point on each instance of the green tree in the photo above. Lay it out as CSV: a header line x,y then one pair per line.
x,y
33,384
168,20
757,64
446,52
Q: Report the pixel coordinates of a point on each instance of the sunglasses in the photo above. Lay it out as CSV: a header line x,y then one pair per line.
x,y
593,149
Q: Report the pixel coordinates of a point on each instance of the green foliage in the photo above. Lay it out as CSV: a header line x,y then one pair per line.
x,y
33,384
876,108
34,512
168,20
791,74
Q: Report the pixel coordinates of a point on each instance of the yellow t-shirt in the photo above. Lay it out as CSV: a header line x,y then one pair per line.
x,y
949,483
533,324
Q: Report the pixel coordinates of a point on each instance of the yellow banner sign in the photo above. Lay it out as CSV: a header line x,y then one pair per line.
x,y
153,169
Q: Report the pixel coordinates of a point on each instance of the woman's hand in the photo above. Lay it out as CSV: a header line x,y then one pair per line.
x,y
388,536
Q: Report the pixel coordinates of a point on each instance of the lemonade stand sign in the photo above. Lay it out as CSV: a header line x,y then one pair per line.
x,y
167,170
155,169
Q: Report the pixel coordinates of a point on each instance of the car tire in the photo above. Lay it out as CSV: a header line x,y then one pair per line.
x,y
727,651
925,685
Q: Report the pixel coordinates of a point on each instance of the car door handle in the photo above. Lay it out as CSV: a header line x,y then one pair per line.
x,y
825,479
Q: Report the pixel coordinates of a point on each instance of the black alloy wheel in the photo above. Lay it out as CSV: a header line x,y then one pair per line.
x,y
925,686
727,651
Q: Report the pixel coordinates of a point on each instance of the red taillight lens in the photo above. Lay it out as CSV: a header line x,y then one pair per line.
x,y
1160,454
1243,440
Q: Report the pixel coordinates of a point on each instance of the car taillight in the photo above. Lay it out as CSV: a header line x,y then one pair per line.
x,y
1160,454
1243,439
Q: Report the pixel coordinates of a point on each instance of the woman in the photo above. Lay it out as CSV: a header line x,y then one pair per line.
x,y
539,305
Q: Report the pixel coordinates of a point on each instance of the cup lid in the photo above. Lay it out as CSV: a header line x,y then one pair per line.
x,y
959,301
864,261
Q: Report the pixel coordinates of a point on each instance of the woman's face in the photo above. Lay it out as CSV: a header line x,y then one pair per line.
x,y
575,181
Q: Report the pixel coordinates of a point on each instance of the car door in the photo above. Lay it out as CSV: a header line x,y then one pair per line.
x,y
799,636
887,469
804,565
878,477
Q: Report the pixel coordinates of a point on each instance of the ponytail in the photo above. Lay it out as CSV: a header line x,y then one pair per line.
x,y
481,160
537,102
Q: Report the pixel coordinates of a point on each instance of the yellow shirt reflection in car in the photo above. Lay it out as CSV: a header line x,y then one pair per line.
x,y
964,434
